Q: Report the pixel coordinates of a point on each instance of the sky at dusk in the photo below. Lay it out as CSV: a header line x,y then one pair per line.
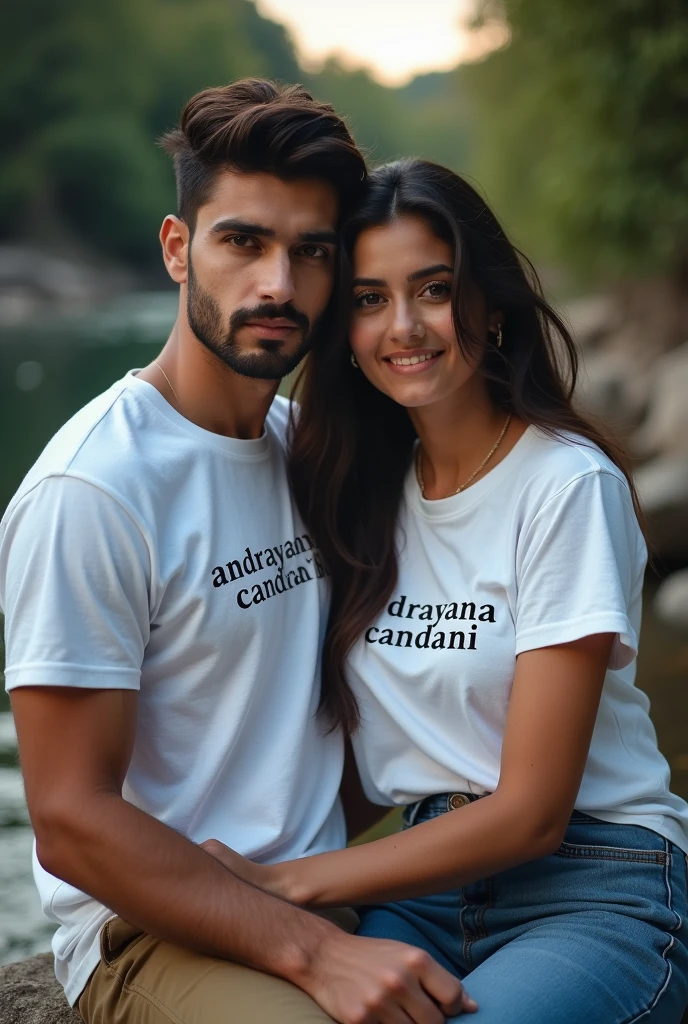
x,y
394,39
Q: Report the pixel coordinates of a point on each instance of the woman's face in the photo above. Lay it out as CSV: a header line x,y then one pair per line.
x,y
402,333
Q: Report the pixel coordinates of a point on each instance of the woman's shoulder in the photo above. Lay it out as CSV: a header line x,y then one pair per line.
x,y
558,461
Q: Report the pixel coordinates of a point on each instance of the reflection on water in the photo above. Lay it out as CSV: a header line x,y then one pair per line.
x,y
46,374
50,370
23,928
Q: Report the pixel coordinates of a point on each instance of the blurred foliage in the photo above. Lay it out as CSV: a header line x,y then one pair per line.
x,y
580,132
87,88
425,118
576,129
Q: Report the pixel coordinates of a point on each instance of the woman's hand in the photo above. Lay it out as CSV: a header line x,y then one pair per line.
x,y
272,878
544,751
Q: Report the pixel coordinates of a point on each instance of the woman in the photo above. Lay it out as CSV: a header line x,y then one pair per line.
x,y
487,568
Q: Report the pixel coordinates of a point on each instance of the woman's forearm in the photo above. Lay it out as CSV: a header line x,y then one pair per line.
x,y
455,849
544,753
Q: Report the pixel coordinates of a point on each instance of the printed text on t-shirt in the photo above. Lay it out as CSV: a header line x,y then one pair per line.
x,y
286,578
463,639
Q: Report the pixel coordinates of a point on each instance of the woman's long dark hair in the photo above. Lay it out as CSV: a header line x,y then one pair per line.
x,y
352,445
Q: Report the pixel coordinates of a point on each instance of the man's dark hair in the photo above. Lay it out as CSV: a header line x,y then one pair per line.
x,y
257,125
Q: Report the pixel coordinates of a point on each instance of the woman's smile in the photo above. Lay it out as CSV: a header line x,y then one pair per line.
x,y
414,361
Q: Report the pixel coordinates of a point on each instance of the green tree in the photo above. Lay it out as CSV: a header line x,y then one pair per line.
x,y
579,131
425,118
88,88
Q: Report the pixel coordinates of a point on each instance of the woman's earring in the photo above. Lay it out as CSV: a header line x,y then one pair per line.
x,y
353,361
499,336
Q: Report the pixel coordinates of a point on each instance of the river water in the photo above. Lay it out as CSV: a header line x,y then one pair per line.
x,y
46,374
23,929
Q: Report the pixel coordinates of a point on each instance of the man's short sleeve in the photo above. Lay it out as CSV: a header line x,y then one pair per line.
x,y
74,586
580,567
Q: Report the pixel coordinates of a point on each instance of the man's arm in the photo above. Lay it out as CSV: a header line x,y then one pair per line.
x,y
75,746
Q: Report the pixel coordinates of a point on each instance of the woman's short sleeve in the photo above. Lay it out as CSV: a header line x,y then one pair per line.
x,y
580,566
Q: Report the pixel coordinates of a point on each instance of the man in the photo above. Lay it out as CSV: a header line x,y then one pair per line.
x,y
164,606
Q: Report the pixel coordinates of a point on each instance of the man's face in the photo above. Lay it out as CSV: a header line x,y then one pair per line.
x,y
261,270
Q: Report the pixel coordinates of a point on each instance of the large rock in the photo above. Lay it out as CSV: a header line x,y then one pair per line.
x,y
592,318
671,599
614,387
34,282
665,429
30,994
627,342
663,491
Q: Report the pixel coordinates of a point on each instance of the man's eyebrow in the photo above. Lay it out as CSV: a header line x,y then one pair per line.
x,y
437,268
242,227
319,236
371,282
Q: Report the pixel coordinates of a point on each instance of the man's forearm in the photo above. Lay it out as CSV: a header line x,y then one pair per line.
x,y
156,879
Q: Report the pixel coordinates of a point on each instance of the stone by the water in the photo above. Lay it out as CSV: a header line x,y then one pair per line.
x,y
671,599
663,491
31,994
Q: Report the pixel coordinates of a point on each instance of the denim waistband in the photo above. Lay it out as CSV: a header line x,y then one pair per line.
x,y
440,803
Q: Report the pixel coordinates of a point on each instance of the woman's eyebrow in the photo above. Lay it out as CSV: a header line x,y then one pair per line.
x,y
378,282
371,282
436,268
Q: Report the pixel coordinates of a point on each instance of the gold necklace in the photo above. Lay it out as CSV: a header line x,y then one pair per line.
x,y
493,449
168,380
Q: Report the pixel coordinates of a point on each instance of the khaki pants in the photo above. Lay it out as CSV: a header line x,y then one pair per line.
x,y
142,980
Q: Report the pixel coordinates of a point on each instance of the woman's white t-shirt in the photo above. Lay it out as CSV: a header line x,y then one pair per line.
x,y
542,550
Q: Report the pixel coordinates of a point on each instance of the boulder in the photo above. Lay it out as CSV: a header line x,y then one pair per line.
x,y
613,387
34,283
665,428
592,318
663,491
671,599
30,994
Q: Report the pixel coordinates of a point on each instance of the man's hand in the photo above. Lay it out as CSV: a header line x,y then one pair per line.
x,y
359,980
285,880
242,867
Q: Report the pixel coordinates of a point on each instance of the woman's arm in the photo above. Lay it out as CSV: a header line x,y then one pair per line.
x,y
550,721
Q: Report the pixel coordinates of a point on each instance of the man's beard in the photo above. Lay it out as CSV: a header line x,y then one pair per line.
x,y
270,362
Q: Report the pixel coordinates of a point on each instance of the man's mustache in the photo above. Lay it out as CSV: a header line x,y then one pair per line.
x,y
269,311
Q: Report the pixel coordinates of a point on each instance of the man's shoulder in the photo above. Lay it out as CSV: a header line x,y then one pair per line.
x,y
96,443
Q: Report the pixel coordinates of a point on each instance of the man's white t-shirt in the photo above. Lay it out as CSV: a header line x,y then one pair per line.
x,y
144,553
543,550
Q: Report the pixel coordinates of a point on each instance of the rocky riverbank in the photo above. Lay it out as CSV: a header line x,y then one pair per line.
x,y
30,994
635,379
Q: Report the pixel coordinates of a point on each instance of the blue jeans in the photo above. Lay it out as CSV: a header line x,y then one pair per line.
x,y
593,934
